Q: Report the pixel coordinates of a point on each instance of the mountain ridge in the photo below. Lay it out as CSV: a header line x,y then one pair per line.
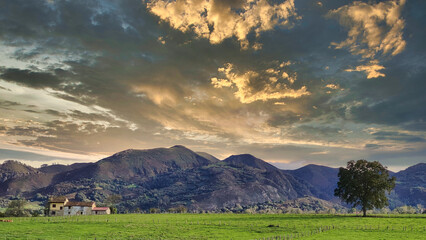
x,y
167,177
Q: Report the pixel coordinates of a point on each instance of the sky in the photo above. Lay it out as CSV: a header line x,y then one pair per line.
x,y
292,82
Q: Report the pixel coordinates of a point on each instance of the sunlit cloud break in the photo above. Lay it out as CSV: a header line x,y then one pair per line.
x,y
225,77
374,30
219,20
246,92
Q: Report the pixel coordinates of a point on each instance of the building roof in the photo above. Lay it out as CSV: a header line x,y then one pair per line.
x,y
60,199
80,204
100,208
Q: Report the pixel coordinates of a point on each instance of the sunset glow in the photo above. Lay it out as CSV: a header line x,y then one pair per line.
x,y
291,82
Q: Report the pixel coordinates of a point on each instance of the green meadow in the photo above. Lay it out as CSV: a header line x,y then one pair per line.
x,y
216,226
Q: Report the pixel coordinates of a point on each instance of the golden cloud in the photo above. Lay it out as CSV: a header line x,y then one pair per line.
x,y
217,20
372,69
332,86
270,89
373,29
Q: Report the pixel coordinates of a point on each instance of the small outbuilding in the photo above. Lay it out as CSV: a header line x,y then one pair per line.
x,y
101,210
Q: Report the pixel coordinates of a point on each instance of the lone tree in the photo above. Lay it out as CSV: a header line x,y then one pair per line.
x,y
364,184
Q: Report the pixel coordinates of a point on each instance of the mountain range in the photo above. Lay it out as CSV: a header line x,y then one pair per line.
x,y
168,177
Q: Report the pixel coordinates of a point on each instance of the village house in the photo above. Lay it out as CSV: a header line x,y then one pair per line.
x,y
61,206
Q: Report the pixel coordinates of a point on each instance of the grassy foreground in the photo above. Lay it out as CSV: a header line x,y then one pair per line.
x,y
216,226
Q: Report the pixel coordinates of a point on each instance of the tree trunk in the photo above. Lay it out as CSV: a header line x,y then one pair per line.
x,y
364,210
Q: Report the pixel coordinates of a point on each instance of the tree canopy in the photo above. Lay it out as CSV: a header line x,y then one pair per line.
x,y
364,184
16,208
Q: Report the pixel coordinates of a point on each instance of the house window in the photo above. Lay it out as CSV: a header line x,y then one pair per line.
x,y
69,207
60,208
53,205
53,212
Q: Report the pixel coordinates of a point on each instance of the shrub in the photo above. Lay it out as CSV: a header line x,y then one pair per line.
x,y
113,210
404,210
36,213
154,210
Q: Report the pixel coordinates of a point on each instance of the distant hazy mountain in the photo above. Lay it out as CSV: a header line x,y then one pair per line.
x,y
167,177
323,179
411,185
410,188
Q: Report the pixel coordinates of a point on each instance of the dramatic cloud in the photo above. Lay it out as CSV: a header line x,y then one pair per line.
x,y
254,86
374,29
90,78
30,78
217,20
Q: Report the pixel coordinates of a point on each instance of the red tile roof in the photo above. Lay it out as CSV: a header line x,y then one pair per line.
x,y
100,208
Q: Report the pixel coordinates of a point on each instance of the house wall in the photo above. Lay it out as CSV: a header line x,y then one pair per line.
x,y
56,209
56,206
67,211
78,210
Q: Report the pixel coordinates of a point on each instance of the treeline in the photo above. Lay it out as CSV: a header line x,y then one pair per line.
x,y
21,208
284,208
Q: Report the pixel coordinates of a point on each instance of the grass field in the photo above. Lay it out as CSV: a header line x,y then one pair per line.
x,y
216,226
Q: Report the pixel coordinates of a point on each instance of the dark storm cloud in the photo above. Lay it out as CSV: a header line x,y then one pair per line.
x,y
395,101
85,28
417,126
29,78
397,98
